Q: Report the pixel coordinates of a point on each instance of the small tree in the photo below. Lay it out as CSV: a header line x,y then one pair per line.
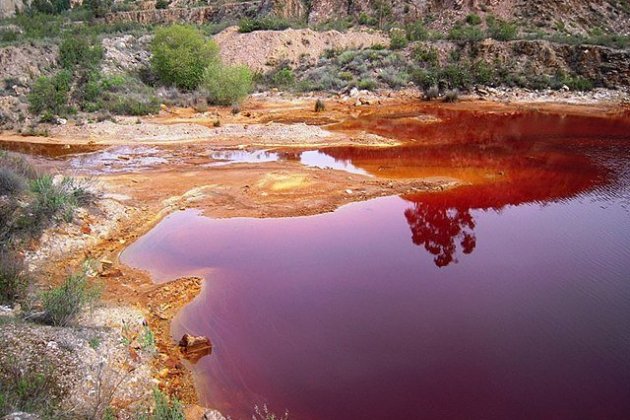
x,y
79,52
228,84
181,55
51,94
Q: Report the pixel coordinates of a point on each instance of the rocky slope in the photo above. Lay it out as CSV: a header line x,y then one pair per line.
x,y
573,15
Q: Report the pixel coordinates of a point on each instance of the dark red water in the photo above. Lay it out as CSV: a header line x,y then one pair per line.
x,y
506,298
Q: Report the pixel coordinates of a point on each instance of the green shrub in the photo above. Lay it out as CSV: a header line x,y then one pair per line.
x,y
473,19
181,55
49,6
64,303
51,94
228,84
320,106
466,33
10,182
162,4
451,95
127,105
56,199
431,93
28,390
365,19
13,278
79,52
425,78
165,409
283,77
398,39
426,55
501,30
367,84
99,8
267,23
416,31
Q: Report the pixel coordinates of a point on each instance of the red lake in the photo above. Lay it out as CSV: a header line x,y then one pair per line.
x,y
507,297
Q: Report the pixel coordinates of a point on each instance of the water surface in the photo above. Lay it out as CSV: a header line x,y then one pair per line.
x,y
508,297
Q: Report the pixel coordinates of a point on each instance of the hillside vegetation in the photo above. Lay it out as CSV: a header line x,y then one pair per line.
x,y
102,59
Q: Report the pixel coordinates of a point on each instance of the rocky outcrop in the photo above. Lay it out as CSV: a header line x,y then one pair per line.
x,y
579,16
198,15
605,67
8,8
27,62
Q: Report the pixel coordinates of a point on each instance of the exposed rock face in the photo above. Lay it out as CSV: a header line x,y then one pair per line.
x,y
9,7
605,67
198,15
26,62
125,54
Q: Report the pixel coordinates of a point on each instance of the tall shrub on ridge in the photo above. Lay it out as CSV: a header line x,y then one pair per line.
x,y
181,55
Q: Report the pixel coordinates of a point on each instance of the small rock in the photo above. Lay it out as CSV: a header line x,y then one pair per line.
x,y
195,347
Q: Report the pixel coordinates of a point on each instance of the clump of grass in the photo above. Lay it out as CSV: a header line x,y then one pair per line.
x,y
147,339
431,93
10,182
320,106
451,95
57,199
64,303
166,409
13,278
28,390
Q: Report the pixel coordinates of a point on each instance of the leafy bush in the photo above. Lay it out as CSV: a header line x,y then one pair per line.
x,y
398,39
427,55
501,30
367,84
55,199
79,52
227,84
466,33
165,409
473,19
13,278
282,77
267,23
416,31
49,6
162,4
181,55
63,303
99,8
51,94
